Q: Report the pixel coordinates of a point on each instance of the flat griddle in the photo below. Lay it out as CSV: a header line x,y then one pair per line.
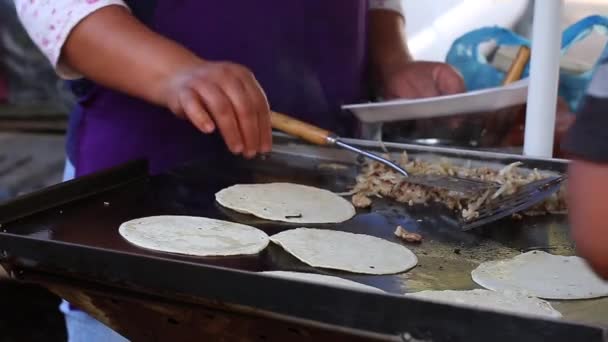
x,y
71,229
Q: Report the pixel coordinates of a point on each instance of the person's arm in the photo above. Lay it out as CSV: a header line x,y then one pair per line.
x,y
587,144
111,47
588,210
394,69
49,23
387,45
114,49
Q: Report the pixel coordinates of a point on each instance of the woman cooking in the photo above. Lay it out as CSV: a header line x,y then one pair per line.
x,y
172,81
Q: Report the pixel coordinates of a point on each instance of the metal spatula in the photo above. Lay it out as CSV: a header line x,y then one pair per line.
x,y
320,136
525,198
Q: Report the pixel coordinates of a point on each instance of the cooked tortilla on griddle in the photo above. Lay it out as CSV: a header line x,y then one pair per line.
x,y
508,302
286,202
196,236
356,253
542,275
323,280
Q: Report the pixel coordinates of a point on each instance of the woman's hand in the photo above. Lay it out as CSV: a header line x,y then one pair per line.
x,y
114,49
425,79
422,79
225,96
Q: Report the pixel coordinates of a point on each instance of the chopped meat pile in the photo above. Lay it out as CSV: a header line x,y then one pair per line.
x,y
378,180
359,200
401,233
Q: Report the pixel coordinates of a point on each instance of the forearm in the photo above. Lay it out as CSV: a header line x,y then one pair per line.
x,y
587,143
587,197
387,44
113,48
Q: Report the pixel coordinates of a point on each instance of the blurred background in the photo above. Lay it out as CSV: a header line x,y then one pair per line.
x,y
34,108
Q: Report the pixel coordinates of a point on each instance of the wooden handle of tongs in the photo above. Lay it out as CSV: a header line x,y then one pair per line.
x,y
300,129
514,136
518,65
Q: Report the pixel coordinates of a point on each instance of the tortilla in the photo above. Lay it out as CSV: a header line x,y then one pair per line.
x,y
507,302
323,280
542,275
197,236
350,252
286,202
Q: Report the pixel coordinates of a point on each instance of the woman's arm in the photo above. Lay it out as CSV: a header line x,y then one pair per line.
x,y
113,48
395,71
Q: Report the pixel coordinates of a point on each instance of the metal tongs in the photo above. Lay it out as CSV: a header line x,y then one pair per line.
x,y
319,136
526,197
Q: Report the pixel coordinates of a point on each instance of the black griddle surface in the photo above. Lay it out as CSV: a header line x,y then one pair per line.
x,y
73,229
93,221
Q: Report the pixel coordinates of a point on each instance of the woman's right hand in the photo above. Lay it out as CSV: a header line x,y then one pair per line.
x,y
224,96
113,48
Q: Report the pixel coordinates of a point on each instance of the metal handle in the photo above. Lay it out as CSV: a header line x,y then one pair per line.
x,y
371,156
319,136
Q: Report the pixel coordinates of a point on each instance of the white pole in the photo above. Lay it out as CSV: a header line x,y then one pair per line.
x,y
544,77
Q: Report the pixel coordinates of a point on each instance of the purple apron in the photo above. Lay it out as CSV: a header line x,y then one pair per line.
x,y
308,55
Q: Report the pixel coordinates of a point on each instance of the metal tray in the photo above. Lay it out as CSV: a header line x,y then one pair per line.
x,y
71,229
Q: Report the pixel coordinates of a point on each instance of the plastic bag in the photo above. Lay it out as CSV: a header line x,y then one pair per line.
x,y
465,56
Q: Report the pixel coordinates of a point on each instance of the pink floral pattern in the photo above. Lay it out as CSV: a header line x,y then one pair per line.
x,y
49,22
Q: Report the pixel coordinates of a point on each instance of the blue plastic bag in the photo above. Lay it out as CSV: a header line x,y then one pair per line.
x,y
465,56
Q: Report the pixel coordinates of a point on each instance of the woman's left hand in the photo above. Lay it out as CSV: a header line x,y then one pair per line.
x,y
425,79
422,79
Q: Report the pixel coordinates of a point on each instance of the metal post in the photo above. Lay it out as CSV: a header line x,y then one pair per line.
x,y
371,131
544,77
